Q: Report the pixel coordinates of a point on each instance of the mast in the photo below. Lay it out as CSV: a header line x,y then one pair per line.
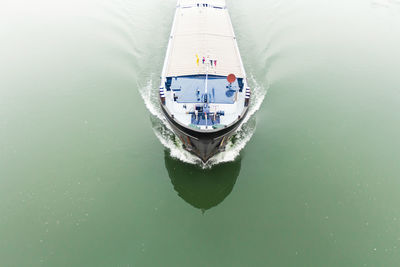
x,y
206,94
206,86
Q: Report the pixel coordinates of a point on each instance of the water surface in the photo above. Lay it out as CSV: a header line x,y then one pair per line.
x,y
91,176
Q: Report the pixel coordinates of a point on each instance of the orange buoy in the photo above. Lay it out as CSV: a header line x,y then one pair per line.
x,y
231,78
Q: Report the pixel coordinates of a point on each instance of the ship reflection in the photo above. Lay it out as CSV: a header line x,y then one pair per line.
x,y
203,189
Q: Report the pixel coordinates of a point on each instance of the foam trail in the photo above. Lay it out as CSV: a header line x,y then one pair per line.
x,y
150,99
166,136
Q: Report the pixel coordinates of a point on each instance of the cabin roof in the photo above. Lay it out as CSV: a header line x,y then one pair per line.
x,y
199,32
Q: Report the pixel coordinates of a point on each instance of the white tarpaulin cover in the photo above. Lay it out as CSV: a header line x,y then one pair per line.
x,y
203,31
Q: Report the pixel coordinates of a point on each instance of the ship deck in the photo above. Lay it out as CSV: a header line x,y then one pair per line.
x,y
191,89
202,52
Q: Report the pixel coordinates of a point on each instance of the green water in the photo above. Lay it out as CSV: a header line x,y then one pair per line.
x,y
85,179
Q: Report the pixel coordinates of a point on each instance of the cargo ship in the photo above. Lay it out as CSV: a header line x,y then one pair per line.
x,y
204,93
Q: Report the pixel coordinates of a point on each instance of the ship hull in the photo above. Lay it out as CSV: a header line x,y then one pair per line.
x,y
203,144
204,93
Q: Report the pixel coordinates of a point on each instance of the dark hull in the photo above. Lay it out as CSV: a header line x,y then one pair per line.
x,y
201,143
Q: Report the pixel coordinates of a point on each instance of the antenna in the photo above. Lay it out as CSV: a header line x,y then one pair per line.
x,y
206,95
206,85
